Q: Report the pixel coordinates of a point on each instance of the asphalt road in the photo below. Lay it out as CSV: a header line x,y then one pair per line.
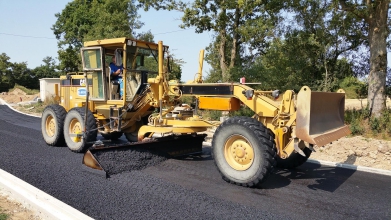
x,y
189,188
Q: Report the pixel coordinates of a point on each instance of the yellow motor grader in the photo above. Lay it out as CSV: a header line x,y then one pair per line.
x,y
147,108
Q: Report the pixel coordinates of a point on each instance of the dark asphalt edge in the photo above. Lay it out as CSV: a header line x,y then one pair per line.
x,y
2,102
43,204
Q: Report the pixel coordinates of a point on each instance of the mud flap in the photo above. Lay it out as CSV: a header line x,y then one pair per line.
x,y
169,146
320,116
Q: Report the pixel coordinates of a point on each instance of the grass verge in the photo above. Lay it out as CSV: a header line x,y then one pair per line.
x,y
3,216
38,107
362,123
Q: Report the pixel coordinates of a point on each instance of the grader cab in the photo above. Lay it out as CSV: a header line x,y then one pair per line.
x,y
147,107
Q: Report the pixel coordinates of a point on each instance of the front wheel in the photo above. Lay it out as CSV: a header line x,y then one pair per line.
x,y
74,124
243,151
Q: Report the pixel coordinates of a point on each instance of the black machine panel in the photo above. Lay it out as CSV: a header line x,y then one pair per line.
x,y
207,89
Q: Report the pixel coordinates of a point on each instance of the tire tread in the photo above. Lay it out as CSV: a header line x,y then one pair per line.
x,y
59,113
264,137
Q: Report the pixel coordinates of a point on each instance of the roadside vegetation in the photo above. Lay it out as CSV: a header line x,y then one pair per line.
x,y
36,108
363,123
3,216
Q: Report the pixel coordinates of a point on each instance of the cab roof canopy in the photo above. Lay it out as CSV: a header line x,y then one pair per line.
x,y
119,42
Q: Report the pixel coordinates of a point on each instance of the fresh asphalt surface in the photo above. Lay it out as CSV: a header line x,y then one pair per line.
x,y
189,188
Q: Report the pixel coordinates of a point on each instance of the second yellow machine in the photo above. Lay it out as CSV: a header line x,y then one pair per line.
x,y
148,109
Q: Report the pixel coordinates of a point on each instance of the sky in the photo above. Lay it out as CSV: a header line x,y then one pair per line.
x,y
26,35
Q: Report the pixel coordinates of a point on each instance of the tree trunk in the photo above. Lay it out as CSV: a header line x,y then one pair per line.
x,y
223,64
378,33
235,37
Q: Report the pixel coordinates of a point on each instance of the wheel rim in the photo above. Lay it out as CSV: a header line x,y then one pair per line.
x,y
238,152
75,128
50,126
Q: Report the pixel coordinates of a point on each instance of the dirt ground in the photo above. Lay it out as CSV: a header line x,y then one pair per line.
x,y
14,210
356,150
17,96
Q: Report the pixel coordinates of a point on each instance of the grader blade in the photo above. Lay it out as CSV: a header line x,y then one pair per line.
x,y
320,116
112,159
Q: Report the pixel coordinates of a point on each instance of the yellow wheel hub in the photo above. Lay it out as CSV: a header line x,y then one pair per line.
x,y
75,128
50,126
238,152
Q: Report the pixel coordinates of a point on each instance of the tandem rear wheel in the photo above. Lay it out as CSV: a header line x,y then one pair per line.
x,y
74,125
52,125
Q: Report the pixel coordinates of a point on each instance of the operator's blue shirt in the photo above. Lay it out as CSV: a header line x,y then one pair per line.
x,y
114,68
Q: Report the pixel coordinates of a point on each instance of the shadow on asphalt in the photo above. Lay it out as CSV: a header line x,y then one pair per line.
x,y
326,178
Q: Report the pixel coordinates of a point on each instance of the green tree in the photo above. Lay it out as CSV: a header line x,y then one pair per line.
x,y
83,20
175,71
375,16
6,80
47,70
236,24
23,76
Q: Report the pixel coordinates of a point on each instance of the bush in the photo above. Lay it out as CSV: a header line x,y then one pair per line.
x,y
243,111
361,123
354,88
212,115
3,216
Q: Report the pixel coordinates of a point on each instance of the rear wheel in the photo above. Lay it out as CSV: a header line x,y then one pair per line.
x,y
294,160
74,124
243,151
112,136
52,123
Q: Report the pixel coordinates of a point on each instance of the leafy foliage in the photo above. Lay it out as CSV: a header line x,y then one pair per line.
x,y
374,15
238,26
361,122
83,20
354,88
18,73
6,79
47,70
175,69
